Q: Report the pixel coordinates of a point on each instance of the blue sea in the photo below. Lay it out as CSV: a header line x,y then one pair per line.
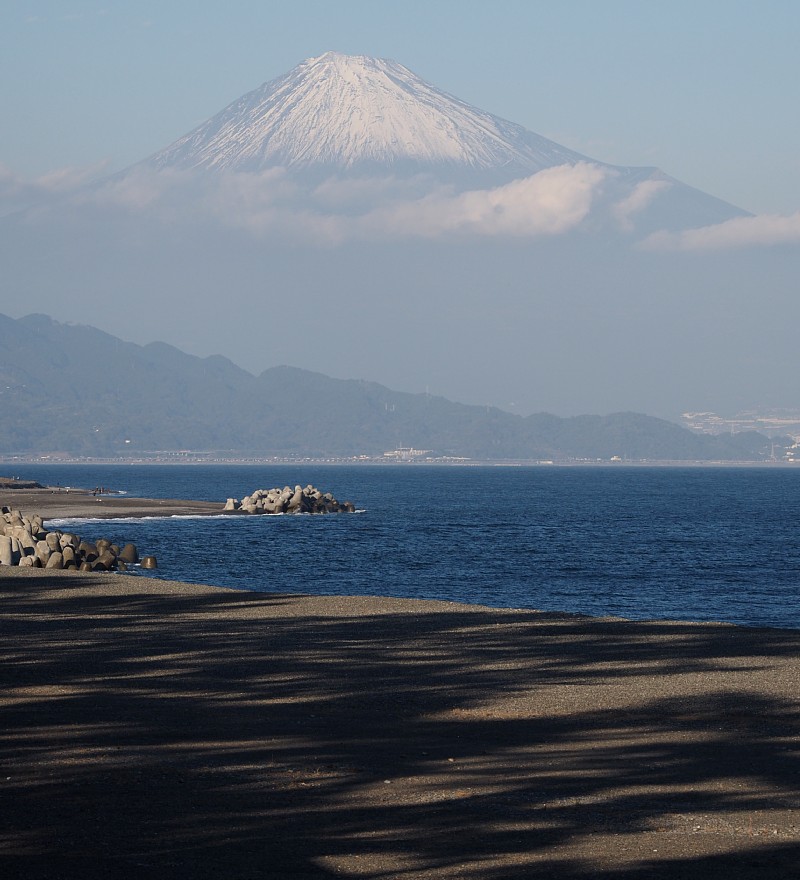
x,y
669,543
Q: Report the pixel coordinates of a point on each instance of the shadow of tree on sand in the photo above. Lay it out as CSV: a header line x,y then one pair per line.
x,y
223,734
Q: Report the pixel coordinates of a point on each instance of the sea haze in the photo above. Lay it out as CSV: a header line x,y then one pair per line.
x,y
641,543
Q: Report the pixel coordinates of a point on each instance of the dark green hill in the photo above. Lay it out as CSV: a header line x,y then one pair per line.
x,y
75,389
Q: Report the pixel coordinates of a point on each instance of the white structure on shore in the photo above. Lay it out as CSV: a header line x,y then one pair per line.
x,y
406,453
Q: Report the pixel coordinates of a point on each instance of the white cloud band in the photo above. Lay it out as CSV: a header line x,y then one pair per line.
x,y
760,231
272,203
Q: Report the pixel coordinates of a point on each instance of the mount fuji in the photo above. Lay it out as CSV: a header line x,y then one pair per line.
x,y
351,219
358,116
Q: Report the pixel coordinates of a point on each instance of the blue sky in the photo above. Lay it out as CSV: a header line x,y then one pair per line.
x,y
707,91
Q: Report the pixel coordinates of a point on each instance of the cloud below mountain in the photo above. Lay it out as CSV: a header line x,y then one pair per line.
x,y
18,192
639,198
764,230
272,203
548,203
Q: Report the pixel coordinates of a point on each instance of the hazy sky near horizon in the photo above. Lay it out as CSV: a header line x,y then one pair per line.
x,y
706,91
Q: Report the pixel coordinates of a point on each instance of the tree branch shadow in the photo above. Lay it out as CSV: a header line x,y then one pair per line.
x,y
236,734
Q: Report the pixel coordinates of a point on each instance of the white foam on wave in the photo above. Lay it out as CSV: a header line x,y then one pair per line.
x,y
92,520
126,519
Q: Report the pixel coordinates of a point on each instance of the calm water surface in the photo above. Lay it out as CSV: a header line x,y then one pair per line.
x,y
688,544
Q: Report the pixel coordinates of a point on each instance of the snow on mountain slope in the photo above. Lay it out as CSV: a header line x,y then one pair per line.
x,y
341,111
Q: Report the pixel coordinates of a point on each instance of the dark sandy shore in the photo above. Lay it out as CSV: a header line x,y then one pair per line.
x,y
157,729
60,503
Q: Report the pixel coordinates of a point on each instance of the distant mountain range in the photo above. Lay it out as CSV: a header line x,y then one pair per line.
x,y
75,389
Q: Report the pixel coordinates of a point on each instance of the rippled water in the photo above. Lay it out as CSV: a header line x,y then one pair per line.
x,y
689,544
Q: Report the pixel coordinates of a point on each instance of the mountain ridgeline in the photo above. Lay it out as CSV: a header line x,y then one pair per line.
x,y
77,390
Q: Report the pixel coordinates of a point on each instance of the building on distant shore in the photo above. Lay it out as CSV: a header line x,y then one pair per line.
x,y
772,423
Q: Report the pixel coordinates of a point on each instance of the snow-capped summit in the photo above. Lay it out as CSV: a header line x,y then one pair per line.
x,y
350,111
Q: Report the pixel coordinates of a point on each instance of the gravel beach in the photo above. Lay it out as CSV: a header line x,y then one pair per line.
x,y
154,728
58,503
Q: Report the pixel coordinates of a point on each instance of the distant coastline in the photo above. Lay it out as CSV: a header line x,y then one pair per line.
x,y
211,459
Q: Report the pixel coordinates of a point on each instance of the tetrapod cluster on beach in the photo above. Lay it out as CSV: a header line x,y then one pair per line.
x,y
25,542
